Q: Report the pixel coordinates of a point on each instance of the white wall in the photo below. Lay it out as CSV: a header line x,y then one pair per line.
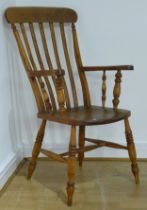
x,y
9,153
110,32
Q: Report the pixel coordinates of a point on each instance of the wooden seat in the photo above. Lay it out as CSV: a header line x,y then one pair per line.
x,y
92,115
41,35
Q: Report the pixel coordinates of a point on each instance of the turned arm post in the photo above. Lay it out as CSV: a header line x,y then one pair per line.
x,y
117,89
104,89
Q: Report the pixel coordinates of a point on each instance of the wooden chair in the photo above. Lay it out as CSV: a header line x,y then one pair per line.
x,y
50,86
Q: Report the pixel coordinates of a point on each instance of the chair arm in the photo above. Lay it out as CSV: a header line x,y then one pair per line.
x,y
107,68
117,85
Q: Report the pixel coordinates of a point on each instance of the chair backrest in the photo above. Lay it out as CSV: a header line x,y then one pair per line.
x,y
32,27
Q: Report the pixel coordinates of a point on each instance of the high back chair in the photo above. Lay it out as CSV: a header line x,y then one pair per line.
x,y
32,27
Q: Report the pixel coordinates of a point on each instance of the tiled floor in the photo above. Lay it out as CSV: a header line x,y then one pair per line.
x,y
100,185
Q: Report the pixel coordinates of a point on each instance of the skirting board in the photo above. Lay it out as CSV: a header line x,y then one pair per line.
x,y
7,168
102,152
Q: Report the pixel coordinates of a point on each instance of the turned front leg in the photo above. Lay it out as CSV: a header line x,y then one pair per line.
x,y
71,164
36,149
131,150
81,144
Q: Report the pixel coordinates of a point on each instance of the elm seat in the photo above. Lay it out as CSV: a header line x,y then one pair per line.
x,y
93,115
48,45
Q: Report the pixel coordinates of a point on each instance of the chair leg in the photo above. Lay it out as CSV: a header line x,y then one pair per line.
x,y
131,150
71,165
81,144
36,149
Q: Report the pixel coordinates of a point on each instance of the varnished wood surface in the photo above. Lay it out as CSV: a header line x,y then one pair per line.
x,y
71,166
131,150
40,14
51,90
100,185
36,148
104,89
86,116
44,73
107,68
117,90
82,76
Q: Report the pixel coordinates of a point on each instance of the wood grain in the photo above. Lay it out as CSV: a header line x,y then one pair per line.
x,y
40,14
131,150
36,148
117,89
71,167
81,144
104,89
36,36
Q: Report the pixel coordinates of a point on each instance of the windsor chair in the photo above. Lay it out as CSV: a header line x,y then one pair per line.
x,y
50,87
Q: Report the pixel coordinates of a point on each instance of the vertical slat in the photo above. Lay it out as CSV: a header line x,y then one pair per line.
x,y
104,88
68,63
21,49
34,39
76,46
117,89
42,85
48,59
27,66
34,65
53,36
84,84
47,55
27,46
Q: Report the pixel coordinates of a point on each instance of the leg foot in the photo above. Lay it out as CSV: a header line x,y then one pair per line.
x,y
135,171
131,150
36,149
31,169
70,191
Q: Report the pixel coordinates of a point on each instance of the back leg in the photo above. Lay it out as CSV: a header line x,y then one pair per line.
x,y
36,149
81,145
131,150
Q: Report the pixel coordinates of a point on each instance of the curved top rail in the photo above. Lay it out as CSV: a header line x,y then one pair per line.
x,y
40,14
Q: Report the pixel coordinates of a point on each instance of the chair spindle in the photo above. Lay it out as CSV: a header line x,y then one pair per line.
x,y
68,63
27,65
60,92
82,76
38,54
53,37
117,89
104,89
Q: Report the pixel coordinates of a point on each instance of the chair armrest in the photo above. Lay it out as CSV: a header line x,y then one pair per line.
x,y
107,68
117,85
